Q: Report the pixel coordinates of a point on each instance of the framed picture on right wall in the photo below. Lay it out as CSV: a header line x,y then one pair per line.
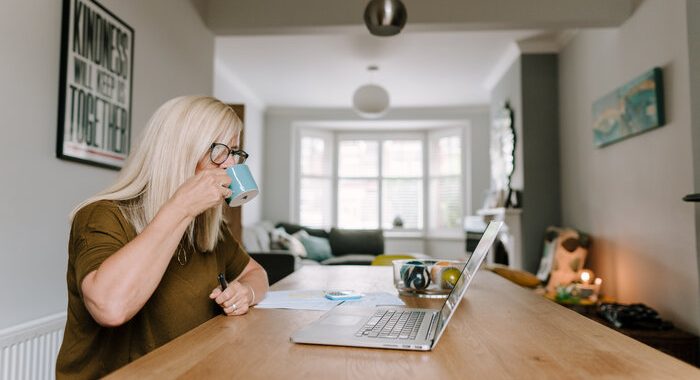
x,y
633,108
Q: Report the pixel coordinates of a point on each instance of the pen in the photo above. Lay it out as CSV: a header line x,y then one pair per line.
x,y
222,281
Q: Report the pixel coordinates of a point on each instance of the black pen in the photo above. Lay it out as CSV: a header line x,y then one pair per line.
x,y
222,281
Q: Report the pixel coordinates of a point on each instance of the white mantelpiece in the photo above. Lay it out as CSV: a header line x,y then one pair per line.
x,y
510,234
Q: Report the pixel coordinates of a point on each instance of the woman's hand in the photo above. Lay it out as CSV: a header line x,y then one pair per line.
x,y
202,191
123,283
235,300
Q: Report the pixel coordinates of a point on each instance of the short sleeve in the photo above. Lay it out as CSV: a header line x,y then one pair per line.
x,y
235,256
99,232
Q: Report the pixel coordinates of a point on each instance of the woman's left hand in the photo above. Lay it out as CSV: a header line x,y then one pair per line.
x,y
235,300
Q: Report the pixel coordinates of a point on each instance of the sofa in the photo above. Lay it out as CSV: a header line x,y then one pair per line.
x,y
283,248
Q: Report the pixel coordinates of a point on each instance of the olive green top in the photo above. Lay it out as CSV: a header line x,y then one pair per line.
x,y
179,303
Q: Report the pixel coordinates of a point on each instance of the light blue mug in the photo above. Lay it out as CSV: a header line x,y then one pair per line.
x,y
242,184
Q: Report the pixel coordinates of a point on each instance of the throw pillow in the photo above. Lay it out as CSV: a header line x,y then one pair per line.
x,y
281,238
317,248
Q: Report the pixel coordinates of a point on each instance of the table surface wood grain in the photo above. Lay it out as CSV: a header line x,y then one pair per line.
x,y
499,330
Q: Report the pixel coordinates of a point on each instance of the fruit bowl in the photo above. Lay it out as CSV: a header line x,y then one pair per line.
x,y
429,278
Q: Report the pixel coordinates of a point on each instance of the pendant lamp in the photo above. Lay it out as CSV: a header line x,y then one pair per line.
x,y
371,100
385,17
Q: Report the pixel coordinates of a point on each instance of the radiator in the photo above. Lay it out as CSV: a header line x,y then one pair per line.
x,y
29,350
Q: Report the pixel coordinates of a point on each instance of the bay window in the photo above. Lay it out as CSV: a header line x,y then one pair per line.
x,y
370,180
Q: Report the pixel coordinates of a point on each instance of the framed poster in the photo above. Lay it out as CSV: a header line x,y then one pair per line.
x,y
633,108
95,91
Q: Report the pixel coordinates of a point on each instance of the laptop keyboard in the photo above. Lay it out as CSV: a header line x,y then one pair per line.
x,y
392,324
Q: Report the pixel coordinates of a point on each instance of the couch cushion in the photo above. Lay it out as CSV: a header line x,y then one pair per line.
x,y
317,248
345,241
293,228
279,237
256,237
250,240
309,262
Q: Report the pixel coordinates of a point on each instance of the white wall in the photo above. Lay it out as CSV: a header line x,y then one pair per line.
x,y
173,57
229,88
278,167
478,162
628,195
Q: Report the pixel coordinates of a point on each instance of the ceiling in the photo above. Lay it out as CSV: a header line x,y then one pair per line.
x,y
314,53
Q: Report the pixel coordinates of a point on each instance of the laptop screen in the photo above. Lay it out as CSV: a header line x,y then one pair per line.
x,y
466,277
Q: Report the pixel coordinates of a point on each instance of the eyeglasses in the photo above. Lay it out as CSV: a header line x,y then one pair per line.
x,y
218,154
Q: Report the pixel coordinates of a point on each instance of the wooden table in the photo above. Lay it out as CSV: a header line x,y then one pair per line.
x,y
499,331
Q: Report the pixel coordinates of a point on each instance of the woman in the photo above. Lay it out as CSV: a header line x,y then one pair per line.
x,y
144,255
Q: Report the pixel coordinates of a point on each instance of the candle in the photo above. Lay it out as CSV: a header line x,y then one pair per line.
x,y
596,284
586,276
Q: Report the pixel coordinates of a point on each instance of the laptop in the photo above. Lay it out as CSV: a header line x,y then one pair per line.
x,y
395,327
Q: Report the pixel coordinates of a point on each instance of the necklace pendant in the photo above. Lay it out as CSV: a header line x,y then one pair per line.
x,y
181,259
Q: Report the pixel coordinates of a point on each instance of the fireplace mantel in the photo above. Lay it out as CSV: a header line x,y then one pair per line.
x,y
510,235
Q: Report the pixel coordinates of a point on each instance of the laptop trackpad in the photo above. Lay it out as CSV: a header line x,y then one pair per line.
x,y
342,320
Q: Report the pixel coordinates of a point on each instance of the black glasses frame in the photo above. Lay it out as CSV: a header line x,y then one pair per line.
x,y
242,155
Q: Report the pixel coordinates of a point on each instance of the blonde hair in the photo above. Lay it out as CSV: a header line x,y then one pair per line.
x,y
176,137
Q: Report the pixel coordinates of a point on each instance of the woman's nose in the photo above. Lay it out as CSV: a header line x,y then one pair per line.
x,y
230,161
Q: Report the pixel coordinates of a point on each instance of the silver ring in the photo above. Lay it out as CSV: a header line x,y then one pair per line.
x,y
234,307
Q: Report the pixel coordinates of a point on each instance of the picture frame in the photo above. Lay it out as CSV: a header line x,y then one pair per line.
x,y
631,109
95,86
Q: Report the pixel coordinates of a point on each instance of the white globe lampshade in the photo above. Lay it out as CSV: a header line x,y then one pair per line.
x,y
370,101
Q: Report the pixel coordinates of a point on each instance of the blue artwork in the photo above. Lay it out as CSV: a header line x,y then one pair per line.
x,y
636,107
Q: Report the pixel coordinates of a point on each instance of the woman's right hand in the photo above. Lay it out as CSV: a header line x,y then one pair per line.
x,y
202,191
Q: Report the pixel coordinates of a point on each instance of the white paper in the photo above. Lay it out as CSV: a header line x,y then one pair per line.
x,y
315,300
298,300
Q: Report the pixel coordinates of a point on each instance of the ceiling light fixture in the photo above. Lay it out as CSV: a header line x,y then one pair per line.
x,y
370,100
385,17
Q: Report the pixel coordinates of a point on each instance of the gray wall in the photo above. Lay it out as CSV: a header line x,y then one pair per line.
x,y
173,57
530,87
541,198
628,194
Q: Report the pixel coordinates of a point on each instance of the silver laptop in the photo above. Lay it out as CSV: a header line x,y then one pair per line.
x,y
395,327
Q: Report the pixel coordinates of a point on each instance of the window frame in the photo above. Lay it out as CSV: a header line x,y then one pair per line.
x,y
334,136
330,141
380,137
434,135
